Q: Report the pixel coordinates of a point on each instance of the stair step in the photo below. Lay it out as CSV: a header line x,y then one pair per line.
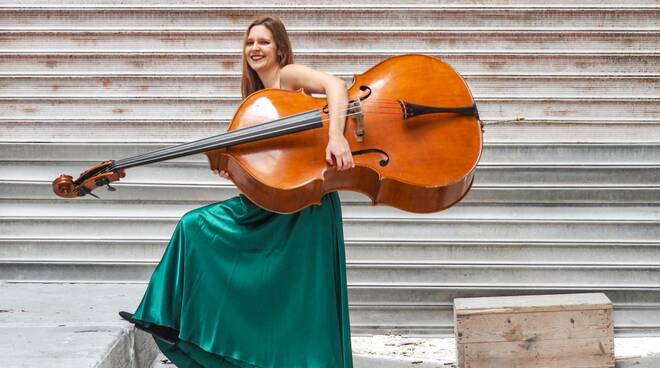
x,y
358,229
71,325
391,274
501,194
449,252
417,41
165,210
221,16
625,62
228,86
376,294
198,173
490,108
419,318
380,3
492,154
138,130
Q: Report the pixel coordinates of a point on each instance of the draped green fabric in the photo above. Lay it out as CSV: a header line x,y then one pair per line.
x,y
246,287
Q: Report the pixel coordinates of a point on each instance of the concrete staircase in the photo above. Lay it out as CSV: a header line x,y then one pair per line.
x,y
566,197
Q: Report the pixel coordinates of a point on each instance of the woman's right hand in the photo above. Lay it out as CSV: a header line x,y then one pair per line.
x,y
222,173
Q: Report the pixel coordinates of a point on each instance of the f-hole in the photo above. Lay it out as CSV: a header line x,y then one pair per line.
x,y
382,162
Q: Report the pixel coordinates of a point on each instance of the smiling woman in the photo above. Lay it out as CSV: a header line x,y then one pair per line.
x,y
239,286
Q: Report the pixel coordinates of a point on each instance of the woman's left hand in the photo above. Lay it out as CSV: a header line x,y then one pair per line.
x,y
338,147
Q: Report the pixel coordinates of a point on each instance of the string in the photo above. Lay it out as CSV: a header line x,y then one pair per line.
x,y
268,127
212,140
265,128
262,129
493,122
271,127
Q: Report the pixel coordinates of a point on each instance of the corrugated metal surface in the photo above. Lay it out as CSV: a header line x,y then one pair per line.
x,y
566,197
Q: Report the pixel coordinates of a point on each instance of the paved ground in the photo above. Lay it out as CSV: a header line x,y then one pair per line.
x,y
76,325
68,325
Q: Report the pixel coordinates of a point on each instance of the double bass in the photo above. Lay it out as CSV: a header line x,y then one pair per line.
x,y
412,126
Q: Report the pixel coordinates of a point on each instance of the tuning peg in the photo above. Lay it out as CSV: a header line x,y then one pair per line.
x,y
105,182
83,191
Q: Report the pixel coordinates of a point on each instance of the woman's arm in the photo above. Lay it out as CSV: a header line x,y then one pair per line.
x,y
294,76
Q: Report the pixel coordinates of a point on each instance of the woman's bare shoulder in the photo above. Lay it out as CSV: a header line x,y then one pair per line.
x,y
296,76
290,74
291,69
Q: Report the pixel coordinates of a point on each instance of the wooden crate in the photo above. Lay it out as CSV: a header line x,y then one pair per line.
x,y
535,331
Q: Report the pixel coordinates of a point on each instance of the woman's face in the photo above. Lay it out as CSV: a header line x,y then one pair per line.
x,y
260,49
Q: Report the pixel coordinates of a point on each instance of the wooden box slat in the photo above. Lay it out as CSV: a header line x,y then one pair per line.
x,y
580,353
528,303
539,325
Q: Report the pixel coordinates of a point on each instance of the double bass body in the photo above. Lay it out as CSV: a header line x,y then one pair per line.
x,y
413,129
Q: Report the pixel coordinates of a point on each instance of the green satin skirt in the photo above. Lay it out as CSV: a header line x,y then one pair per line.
x,y
246,287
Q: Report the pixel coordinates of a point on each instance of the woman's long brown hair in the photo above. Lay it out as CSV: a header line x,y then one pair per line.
x,y
250,81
